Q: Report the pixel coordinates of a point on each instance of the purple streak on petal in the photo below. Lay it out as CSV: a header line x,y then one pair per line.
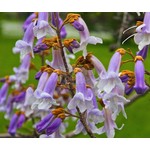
x,y
40,47
44,123
114,64
80,83
3,92
143,52
21,120
51,83
20,97
13,125
63,32
38,75
53,126
147,22
128,89
124,78
28,35
78,26
28,21
42,81
140,86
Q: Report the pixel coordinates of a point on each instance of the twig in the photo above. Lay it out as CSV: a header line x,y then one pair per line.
x,y
135,97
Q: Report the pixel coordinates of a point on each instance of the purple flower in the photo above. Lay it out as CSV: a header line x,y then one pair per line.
x,y
109,124
21,120
45,98
42,27
16,122
53,127
83,97
63,32
140,86
40,46
44,123
110,80
85,37
13,125
20,97
29,20
23,71
25,45
57,62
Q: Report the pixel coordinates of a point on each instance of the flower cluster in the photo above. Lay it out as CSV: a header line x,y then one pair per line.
x,y
85,91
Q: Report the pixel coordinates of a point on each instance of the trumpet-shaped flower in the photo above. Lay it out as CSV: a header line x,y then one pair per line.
x,y
42,27
25,45
83,97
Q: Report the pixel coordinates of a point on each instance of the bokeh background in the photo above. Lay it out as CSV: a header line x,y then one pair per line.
x,y
109,27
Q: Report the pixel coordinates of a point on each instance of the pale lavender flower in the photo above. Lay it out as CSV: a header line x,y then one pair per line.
x,y
45,98
109,124
110,80
85,37
42,28
142,37
22,72
83,97
25,45
57,61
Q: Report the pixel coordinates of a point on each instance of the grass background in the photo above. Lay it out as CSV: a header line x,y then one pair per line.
x,y
137,125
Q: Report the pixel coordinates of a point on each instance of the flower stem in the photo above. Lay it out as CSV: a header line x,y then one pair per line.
x,y
69,78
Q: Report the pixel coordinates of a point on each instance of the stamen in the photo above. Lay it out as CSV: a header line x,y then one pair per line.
x,y
128,38
129,29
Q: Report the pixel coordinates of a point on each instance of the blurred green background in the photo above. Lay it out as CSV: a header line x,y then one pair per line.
x,y
104,25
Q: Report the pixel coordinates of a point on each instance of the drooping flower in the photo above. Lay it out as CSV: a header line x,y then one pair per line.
x,y
25,45
51,122
3,93
83,97
140,86
85,37
16,122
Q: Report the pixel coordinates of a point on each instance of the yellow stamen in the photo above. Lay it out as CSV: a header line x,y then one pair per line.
x,y
122,51
138,58
138,23
76,70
